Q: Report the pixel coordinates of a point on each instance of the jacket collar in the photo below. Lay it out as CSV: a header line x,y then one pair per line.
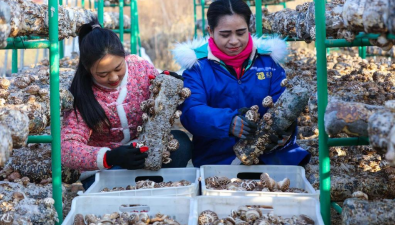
x,y
211,56
187,54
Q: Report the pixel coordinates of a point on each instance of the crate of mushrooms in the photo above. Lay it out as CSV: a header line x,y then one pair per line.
x,y
164,182
259,180
124,210
217,210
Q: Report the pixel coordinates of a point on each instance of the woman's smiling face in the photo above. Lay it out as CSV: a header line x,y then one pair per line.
x,y
231,34
109,71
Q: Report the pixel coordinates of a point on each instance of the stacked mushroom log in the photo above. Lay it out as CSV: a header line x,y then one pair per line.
x,y
30,18
22,202
111,20
160,112
373,50
279,117
28,91
24,110
5,27
344,19
109,2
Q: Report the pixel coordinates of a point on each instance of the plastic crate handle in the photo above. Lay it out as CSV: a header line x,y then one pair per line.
x,y
134,208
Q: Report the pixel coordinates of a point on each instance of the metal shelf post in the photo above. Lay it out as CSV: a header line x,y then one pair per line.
x,y
14,68
54,106
133,45
121,28
322,89
258,14
61,43
203,18
100,11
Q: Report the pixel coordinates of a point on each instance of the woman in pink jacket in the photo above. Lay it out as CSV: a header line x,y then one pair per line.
x,y
108,88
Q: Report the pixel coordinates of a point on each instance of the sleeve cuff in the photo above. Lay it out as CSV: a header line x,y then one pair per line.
x,y
100,157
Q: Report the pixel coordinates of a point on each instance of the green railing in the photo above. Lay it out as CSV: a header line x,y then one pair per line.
x,y
134,31
53,45
324,142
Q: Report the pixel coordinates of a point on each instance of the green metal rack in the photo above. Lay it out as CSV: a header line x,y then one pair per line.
x,y
324,142
61,43
52,43
134,31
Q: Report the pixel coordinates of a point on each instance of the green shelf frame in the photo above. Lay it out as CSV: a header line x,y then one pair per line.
x,y
324,142
61,43
54,46
134,31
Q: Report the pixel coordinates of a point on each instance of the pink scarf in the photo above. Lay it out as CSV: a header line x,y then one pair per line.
x,y
234,61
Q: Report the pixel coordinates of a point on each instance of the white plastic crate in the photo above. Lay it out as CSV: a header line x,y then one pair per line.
x,y
283,206
122,178
296,175
177,208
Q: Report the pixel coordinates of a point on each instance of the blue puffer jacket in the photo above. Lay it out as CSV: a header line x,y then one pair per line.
x,y
217,95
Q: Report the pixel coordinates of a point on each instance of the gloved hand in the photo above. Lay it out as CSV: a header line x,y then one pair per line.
x,y
241,127
283,135
127,156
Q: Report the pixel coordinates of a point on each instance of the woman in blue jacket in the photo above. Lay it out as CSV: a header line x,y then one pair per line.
x,y
226,73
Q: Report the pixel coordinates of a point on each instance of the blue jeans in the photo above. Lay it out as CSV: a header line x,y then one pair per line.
x,y
179,158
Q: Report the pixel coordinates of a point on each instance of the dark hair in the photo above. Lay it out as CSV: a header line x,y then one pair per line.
x,y
221,8
94,43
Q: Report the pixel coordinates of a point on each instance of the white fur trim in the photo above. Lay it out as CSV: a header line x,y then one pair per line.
x,y
184,53
121,111
276,46
100,157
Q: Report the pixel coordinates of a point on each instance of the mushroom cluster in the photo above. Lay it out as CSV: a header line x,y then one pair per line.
x,y
14,131
159,114
148,184
344,19
265,184
111,20
5,27
28,92
373,50
34,162
246,215
23,202
124,218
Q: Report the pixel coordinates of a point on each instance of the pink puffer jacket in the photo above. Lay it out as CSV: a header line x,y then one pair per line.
x,y
84,149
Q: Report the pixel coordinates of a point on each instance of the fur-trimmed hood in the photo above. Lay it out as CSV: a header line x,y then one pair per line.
x,y
188,53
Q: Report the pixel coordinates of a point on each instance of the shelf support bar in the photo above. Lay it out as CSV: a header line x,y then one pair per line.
x,y
54,107
322,89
